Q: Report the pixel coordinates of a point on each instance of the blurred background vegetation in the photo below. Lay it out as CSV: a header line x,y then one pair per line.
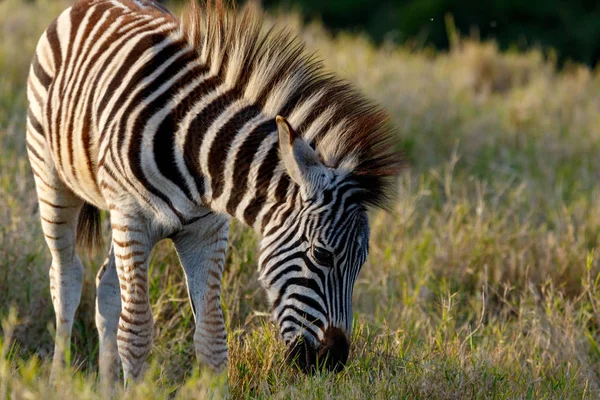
x,y
570,28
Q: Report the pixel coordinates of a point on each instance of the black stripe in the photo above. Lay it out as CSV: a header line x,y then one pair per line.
x,y
200,125
301,282
33,151
221,146
283,272
74,55
310,323
126,36
290,328
89,101
164,138
76,14
282,187
52,36
35,123
80,76
309,301
290,209
55,46
168,73
194,137
117,79
40,72
265,173
286,237
243,161
135,151
315,269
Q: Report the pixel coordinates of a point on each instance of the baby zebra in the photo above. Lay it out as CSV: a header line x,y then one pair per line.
x,y
175,126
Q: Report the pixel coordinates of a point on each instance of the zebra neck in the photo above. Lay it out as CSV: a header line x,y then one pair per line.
x,y
237,168
268,197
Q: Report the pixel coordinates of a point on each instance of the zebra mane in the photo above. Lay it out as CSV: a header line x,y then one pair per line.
x,y
273,70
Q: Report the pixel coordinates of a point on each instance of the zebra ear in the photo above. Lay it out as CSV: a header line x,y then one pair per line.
x,y
301,161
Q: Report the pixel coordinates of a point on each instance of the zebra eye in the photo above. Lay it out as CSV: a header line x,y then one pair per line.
x,y
323,256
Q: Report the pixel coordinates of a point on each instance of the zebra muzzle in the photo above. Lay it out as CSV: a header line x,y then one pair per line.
x,y
331,355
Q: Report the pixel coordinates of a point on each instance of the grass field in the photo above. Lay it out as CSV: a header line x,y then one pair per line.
x,y
483,283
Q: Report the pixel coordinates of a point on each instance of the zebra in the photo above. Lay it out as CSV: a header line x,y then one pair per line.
x,y
174,126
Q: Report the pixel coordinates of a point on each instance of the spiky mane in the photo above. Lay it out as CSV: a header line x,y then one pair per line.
x,y
273,70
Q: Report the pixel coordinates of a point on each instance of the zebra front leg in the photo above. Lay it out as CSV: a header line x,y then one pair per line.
x,y
202,247
108,310
132,246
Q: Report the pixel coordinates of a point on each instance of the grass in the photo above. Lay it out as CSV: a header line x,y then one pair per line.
x,y
483,283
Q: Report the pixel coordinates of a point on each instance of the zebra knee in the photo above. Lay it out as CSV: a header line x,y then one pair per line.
x,y
66,282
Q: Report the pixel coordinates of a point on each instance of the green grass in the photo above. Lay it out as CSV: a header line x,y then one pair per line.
x,y
483,283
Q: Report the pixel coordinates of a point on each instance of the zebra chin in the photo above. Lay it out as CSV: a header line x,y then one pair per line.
x,y
330,354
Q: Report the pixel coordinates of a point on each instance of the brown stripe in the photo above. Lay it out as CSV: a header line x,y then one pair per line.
x,y
133,322
74,91
134,343
136,356
54,205
52,36
61,248
62,127
134,301
53,222
37,126
214,274
40,72
33,151
134,311
36,95
127,243
130,255
123,228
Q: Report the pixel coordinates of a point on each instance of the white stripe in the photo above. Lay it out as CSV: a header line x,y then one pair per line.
x,y
182,132
137,34
63,28
211,136
35,106
148,161
68,105
236,146
318,124
266,145
86,70
45,57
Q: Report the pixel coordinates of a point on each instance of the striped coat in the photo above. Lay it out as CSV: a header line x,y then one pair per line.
x,y
174,126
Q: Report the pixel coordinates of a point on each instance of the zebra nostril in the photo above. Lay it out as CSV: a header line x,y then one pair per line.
x,y
334,350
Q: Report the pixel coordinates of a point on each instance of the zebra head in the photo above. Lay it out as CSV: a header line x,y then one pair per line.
x,y
311,255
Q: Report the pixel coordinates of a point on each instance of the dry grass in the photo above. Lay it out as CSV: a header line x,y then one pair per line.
x,y
483,283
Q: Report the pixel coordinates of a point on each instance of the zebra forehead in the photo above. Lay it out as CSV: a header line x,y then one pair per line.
x,y
337,229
